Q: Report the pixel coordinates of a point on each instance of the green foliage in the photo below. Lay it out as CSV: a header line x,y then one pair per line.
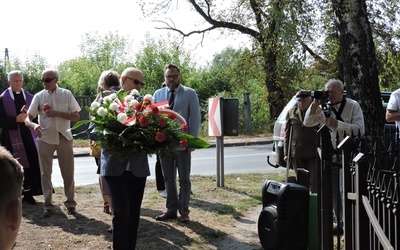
x,y
105,52
79,75
154,55
32,69
389,67
33,73
99,53
3,77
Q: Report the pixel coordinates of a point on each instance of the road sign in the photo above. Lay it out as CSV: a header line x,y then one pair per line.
x,y
214,117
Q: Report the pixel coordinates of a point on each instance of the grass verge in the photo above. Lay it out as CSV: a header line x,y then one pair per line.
x,y
214,215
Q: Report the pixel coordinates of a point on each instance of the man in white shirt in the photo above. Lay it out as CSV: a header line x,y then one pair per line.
x,y
56,108
393,108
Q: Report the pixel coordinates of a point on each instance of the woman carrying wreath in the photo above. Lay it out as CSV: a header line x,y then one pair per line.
x,y
108,83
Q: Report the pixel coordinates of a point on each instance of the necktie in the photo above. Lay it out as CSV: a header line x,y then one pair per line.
x,y
171,99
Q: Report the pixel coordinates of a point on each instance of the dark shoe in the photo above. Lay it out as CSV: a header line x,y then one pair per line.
x,y
47,213
106,208
184,218
166,216
71,210
337,229
29,199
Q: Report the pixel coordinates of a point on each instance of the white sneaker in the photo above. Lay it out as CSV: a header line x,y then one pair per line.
x,y
163,193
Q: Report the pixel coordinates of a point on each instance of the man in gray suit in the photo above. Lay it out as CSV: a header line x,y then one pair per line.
x,y
184,101
126,179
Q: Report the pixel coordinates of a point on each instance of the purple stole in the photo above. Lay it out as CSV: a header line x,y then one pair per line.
x,y
17,143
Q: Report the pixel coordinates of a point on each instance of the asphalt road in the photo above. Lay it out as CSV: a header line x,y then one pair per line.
x,y
237,159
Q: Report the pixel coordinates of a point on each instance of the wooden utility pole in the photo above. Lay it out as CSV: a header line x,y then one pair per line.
x,y
6,60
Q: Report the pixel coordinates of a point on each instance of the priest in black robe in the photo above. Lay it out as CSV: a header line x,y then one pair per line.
x,y
18,138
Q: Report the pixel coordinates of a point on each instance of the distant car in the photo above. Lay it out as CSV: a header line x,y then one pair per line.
x,y
280,125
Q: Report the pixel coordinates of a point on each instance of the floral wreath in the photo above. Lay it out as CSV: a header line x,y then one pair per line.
x,y
126,123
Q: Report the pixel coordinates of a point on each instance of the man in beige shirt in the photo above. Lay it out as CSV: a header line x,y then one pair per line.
x,y
56,108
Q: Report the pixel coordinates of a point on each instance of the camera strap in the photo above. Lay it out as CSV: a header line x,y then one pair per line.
x,y
339,113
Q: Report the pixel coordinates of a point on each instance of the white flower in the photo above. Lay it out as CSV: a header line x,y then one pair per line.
x,y
102,111
133,104
94,105
106,99
129,98
112,96
148,97
121,117
114,106
134,92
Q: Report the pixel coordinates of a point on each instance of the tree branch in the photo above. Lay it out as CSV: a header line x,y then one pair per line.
x,y
215,24
170,27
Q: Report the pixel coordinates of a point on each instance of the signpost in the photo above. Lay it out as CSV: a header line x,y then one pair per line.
x,y
223,120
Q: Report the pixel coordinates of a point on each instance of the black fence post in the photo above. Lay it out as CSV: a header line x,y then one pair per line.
x,y
324,172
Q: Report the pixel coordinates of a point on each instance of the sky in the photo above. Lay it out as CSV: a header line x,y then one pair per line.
x,y
54,29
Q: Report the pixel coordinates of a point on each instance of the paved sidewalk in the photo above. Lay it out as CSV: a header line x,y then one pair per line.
x,y
228,141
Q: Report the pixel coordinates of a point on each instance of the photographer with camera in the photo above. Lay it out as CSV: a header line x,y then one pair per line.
x,y
343,116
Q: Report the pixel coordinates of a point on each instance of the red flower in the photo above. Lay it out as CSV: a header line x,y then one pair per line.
x,y
160,137
162,121
138,107
143,121
184,127
171,116
154,109
146,102
184,143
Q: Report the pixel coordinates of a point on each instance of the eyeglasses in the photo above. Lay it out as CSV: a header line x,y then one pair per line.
x,y
135,81
47,79
171,77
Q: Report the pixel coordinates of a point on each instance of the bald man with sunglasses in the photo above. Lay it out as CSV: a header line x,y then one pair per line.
x,y
126,178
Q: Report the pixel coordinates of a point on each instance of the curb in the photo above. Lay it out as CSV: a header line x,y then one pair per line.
x,y
82,152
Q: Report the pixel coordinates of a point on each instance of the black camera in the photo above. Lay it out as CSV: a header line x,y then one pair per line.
x,y
320,95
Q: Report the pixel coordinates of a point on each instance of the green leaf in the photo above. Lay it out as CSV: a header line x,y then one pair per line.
x,y
80,123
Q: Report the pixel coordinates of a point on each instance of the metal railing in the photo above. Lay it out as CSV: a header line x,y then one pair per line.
x,y
84,101
371,179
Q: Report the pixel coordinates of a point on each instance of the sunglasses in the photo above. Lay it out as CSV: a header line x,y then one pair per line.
x,y
47,80
135,81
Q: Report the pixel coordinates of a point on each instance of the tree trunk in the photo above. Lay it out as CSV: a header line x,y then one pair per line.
x,y
275,98
358,58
